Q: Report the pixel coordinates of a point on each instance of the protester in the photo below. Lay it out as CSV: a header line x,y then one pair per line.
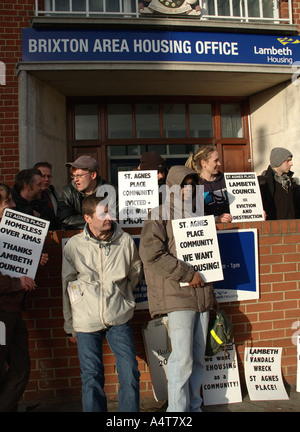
x,y
49,195
85,181
14,355
206,163
103,261
6,200
27,195
279,191
187,307
153,161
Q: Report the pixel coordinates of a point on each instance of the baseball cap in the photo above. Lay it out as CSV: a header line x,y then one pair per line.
x,y
84,162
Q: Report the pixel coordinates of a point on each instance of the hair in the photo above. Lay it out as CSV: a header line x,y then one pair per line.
x,y
43,165
4,192
90,203
194,161
26,176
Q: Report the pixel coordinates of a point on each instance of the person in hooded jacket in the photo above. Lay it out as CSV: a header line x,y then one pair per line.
x,y
103,262
206,163
188,306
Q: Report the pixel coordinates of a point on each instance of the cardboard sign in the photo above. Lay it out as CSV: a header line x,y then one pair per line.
x,y
138,193
239,255
244,197
158,350
221,383
197,244
263,374
22,240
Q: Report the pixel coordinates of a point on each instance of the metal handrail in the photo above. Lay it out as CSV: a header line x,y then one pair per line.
x,y
238,10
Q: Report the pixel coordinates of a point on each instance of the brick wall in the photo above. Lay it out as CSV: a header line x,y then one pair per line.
x,y
14,15
265,322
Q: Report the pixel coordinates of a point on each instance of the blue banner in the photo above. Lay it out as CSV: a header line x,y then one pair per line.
x,y
40,45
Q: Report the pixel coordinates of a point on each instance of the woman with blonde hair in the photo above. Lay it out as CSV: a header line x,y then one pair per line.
x,y
206,163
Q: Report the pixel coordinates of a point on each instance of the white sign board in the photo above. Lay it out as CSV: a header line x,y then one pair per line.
x,y
263,374
138,193
22,240
158,350
221,383
244,197
197,244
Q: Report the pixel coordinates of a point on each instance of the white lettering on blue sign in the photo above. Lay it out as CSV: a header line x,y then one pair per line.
x,y
157,46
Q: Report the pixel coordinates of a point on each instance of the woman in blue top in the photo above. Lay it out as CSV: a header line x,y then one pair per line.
x,y
206,163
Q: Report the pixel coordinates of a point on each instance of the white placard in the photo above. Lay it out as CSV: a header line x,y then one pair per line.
x,y
138,193
263,374
197,244
244,197
22,241
221,383
158,350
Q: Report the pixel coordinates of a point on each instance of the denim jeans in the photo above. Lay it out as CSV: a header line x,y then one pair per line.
x,y
188,332
121,341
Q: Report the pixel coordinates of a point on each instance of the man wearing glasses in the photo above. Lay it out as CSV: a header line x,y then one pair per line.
x,y
85,181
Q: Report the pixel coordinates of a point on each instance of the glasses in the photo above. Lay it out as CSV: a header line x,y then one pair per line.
x,y
79,176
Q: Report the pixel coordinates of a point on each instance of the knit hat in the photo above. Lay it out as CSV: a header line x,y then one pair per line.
x,y
278,156
151,161
84,162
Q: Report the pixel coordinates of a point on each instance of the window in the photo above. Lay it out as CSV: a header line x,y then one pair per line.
x,y
231,121
86,122
119,131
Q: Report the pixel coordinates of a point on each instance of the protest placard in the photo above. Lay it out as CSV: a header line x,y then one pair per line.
x,y
244,197
158,350
22,241
221,383
138,193
263,374
298,364
197,244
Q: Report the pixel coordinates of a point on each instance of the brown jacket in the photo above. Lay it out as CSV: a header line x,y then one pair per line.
x,y
163,271
11,294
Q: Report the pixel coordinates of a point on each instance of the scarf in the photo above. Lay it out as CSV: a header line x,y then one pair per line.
x,y
284,180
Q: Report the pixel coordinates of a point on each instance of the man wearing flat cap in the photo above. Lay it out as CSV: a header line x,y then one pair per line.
x,y
280,193
85,181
